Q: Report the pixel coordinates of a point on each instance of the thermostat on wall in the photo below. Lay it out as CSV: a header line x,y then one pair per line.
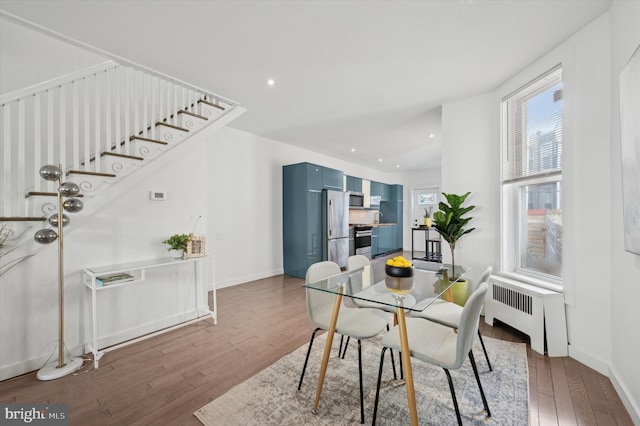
x,y
157,195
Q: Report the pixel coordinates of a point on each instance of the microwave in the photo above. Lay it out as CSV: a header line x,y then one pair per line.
x,y
356,200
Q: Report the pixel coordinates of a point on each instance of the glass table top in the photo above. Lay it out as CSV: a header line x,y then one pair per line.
x,y
370,284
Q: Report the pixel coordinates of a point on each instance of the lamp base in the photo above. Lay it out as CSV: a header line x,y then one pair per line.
x,y
51,370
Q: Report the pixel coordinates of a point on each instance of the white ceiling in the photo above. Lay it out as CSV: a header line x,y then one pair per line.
x,y
369,75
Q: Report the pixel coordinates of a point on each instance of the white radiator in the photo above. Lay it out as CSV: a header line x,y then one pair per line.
x,y
530,309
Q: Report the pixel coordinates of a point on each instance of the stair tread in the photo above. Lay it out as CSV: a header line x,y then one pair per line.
x,y
82,172
140,138
117,154
46,194
160,123
22,219
201,117
211,104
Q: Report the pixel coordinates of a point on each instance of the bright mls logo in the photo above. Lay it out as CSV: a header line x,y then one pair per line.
x,y
34,414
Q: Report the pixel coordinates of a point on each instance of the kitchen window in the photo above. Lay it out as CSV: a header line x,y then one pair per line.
x,y
532,179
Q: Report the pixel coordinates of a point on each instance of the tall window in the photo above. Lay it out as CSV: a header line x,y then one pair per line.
x,y
532,178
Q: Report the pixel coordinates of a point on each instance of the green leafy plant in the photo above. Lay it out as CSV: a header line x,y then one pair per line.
x,y
177,242
450,221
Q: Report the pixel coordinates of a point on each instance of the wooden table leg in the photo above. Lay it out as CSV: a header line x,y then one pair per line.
x,y
406,364
327,348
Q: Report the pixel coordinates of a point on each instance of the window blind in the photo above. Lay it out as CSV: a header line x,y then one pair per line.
x,y
534,129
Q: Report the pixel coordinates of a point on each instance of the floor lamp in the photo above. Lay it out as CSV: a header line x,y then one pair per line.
x,y
65,193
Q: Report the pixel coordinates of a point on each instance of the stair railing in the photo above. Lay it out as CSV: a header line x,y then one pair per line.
x,y
73,119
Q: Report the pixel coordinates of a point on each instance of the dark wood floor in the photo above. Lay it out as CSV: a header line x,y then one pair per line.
x,y
164,379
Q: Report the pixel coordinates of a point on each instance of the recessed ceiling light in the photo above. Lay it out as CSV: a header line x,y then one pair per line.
x,y
431,135
271,82
398,165
380,160
353,150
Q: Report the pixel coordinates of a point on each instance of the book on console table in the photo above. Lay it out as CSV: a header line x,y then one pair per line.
x,y
119,277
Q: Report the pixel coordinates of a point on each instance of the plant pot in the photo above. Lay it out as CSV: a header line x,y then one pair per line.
x,y
177,254
459,292
427,222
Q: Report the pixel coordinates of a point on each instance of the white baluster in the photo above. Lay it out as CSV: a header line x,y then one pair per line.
x,y
97,122
86,119
176,104
6,140
136,103
154,99
20,166
127,111
118,110
145,104
37,141
108,142
50,140
75,124
168,106
62,108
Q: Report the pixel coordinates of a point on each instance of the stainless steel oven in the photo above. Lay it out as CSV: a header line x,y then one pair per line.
x,y
363,240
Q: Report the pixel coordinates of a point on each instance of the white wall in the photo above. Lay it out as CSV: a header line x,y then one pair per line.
x,y
245,201
471,162
598,316
625,266
31,58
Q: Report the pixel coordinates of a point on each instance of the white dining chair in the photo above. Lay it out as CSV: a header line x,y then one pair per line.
x,y
448,313
439,345
352,322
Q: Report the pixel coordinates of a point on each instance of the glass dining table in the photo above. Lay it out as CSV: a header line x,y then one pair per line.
x,y
361,288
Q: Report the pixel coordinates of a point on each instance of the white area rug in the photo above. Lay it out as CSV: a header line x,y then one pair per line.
x,y
271,396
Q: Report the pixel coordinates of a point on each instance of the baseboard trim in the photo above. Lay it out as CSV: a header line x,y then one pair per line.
x,y
623,393
248,278
589,360
33,364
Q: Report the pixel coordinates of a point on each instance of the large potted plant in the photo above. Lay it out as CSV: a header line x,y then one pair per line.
x,y
450,221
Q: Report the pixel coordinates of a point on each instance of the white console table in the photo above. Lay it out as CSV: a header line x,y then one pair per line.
x,y
138,271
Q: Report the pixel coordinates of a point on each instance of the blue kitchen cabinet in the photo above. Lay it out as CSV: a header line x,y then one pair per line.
x,y
380,189
388,239
302,186
332,179
397,207
354,184
319,177
374,241
392,212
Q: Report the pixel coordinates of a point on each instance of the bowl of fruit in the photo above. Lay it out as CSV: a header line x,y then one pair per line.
x,y
399,274
398,267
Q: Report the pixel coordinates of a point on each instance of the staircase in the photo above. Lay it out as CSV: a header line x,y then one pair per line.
x,y
102,124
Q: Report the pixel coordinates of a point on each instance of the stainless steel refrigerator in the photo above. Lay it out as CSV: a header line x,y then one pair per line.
x,y
335,226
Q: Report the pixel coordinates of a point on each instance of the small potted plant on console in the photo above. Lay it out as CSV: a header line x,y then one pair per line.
x,y
177,243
